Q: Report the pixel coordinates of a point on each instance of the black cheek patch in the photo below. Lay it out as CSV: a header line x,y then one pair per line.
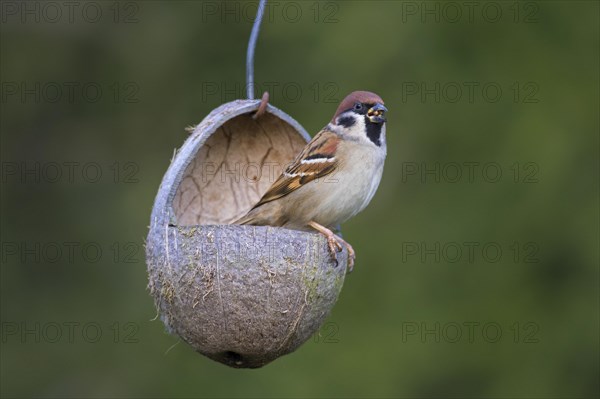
x,y
346,121
374,131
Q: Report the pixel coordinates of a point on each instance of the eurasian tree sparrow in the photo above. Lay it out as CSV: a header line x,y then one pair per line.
x,y
333,178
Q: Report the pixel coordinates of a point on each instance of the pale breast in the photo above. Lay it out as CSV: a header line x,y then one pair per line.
x,y
341,195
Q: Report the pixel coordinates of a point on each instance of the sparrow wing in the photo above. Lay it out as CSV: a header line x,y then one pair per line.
x,y
315,161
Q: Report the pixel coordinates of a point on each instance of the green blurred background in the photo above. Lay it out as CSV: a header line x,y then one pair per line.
x,y
416,318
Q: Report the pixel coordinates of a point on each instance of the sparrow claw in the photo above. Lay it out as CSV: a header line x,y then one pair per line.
x,y
351,255
335,260
334,247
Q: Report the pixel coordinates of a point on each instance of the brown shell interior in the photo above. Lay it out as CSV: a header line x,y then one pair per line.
x,y
233,169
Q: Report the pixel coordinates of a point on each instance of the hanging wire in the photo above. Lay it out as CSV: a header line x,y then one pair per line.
x,y
251,47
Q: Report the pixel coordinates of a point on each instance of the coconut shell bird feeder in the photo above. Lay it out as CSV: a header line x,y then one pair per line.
x,y
240,295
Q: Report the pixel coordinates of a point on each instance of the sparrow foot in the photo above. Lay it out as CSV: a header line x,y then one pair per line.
x,y
335,243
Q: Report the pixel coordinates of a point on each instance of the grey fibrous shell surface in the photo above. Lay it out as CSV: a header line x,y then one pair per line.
x,y
241,295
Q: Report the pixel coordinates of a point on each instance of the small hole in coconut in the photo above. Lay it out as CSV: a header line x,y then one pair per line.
x,y
234,167
233,358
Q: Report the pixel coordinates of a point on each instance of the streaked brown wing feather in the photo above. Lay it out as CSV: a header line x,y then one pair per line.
x,y
322,146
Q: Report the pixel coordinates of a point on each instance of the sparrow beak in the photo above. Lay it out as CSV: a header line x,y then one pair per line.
x,y
377,113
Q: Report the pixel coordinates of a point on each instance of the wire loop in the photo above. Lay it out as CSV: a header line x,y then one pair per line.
x,y
251,47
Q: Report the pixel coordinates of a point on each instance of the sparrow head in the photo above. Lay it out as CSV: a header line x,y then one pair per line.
x,y
361,114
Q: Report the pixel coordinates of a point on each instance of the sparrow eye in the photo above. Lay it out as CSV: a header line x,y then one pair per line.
x,y
358,107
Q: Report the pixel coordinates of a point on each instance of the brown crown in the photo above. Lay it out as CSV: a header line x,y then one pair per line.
x,y
357,96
